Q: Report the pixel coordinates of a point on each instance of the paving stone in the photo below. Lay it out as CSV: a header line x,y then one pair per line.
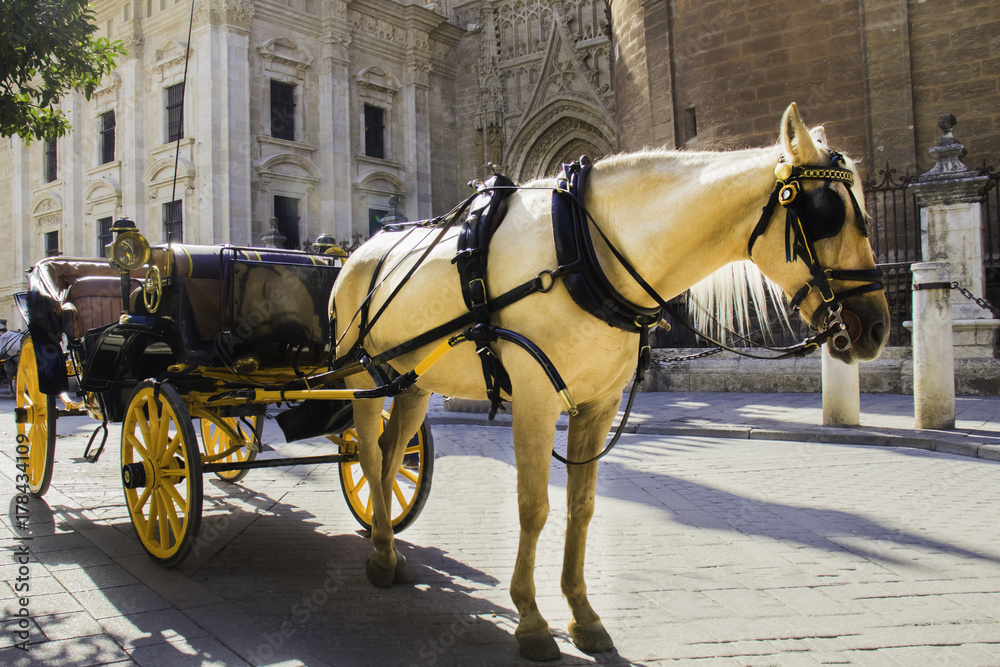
x,y
152,627
76,652
196,652
121,601
703,550
92,578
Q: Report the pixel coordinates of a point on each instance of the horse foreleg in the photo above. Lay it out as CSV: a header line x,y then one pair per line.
x,y
381,565
408,412
533,437
586,437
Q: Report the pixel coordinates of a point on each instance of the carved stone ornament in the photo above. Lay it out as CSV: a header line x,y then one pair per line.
x,y
235,13
108,89
170,56
133,43
284,52
949,181
418,72
378,28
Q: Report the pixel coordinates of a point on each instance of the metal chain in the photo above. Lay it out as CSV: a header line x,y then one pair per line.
x,y
707,353
980,301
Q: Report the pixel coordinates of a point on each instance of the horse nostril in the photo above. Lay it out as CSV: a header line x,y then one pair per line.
x,y
879,333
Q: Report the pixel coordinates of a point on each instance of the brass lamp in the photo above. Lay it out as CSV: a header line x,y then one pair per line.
x,y
128,252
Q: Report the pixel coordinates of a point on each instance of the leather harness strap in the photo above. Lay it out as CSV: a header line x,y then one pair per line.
x,y
484,217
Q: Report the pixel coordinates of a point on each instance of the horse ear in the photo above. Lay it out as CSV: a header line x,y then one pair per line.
x,y
798,144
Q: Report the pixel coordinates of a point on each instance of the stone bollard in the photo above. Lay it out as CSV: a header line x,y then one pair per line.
x,y
841,392
933,350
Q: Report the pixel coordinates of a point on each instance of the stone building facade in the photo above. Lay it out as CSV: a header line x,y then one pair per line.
x,y
312,116
535,85
313,112
877,73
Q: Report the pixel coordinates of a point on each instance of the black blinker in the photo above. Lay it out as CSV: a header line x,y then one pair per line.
x,y
822,213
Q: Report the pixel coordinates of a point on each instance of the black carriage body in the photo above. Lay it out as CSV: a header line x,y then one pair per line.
x,y
219,304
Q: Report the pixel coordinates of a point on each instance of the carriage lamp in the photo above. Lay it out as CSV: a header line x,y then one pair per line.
x,y
128,252
326,245
130,249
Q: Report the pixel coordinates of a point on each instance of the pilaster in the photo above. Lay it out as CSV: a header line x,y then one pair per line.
x,y
888,77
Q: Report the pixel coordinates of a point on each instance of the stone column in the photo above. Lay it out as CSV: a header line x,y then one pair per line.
x,y
933,350
841,392
417,138
219,116
130,128
950,200
335,136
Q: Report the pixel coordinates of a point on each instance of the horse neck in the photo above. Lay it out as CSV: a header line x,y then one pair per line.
x,y
677,217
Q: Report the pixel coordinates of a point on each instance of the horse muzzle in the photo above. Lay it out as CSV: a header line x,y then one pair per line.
x,y
853,336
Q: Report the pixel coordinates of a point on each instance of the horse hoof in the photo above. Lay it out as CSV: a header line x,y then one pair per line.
x,y
538,648
379,577
403,574
592,638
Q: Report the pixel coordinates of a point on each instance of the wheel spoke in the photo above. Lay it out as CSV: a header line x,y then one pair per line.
x,y
409,474
162,520
399,495
168,454
176,497
171,514
134,443
142,421
150,517
360,485
136,508
162,432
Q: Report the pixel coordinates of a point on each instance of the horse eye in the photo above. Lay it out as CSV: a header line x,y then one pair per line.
x,y
823,214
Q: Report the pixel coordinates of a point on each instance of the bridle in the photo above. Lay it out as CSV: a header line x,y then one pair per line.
x,y
809,217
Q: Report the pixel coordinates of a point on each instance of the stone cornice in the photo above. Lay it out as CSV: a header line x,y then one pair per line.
x,y
960,190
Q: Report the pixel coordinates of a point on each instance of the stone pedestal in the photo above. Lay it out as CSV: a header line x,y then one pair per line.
x,y
950,200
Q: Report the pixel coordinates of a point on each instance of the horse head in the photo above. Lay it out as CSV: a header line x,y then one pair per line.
x,y
821,256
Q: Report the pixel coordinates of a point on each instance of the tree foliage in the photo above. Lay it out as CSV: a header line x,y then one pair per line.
x,y
47,48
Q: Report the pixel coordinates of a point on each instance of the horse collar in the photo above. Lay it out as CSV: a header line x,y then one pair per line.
x,y
582,274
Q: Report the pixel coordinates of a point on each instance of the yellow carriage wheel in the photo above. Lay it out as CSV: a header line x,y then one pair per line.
x,y
36,436
161,472
411,485
217,441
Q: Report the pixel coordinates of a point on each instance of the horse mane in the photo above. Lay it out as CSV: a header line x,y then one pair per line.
x,y
737,297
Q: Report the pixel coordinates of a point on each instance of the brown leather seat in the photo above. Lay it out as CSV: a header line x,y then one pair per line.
x,y
93,301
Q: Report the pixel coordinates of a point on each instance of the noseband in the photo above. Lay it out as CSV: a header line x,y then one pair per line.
x,y
809,217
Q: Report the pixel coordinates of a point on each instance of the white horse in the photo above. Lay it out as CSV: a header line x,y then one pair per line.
x,y
677,217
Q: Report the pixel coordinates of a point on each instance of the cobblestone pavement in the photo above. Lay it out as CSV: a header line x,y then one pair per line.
x,y
703,550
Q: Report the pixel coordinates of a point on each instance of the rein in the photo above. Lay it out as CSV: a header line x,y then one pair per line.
x,y
808,219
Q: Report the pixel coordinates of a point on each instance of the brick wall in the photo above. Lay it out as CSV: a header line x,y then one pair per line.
x,y
739,63
955,47
877,73
632,85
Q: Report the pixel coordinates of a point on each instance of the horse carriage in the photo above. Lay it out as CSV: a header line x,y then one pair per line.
x,y
161,339
555,282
